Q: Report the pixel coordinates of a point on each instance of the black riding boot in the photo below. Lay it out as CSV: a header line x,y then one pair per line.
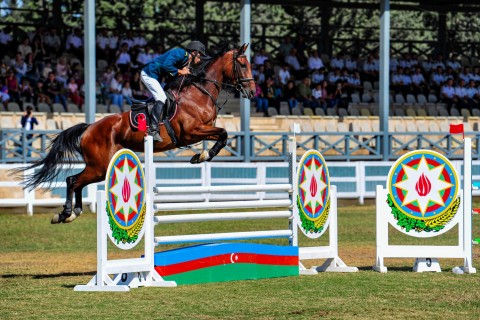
x,y
155,115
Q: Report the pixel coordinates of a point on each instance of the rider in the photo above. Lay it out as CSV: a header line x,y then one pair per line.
x,y
169,65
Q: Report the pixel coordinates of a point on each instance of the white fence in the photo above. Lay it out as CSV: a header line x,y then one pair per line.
x,y
354,180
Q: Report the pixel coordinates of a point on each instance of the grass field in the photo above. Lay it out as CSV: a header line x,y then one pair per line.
x,y
41,263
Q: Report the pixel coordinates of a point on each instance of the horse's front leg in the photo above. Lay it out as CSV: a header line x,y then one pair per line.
x,y
212,133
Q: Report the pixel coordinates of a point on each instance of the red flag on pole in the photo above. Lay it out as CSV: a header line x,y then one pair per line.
x,y
457,129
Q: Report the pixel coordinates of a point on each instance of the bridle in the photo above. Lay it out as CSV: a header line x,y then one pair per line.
x,y
236,72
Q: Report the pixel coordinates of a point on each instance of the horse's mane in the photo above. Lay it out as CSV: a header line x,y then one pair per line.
x,y
198,72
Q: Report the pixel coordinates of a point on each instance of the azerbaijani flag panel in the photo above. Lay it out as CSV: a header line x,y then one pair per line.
x,y
218,262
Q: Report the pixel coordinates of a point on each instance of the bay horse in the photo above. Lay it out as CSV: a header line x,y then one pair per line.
x,y
193,122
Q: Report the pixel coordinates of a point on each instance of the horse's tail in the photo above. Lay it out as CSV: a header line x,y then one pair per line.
x,y
63,150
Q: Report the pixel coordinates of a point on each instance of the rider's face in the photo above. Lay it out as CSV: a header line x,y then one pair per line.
x,y
195,58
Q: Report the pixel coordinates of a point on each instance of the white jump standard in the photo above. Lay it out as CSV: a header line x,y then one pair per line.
x,y
309,203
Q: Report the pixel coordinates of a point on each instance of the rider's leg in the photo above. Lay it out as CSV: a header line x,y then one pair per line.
x,y
159,95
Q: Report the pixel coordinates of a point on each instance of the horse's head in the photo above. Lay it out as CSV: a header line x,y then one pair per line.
x,y
241,73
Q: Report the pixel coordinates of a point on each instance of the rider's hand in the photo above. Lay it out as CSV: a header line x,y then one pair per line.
x,y
184,71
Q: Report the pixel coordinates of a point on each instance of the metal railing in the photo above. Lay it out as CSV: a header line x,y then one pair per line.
x,y
267,146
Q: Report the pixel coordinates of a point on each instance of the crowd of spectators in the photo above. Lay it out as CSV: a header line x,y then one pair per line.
x,y
43,67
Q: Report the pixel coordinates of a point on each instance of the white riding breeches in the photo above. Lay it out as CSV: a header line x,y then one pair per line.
x,y
153,86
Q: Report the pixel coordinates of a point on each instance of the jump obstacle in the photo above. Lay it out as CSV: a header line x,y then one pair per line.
x,y
309,203
423,199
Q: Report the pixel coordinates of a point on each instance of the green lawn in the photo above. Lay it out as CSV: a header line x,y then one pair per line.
x,y
41,263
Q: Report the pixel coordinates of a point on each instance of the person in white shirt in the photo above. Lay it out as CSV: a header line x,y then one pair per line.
x,y
260,57
113,44
139,40
461,94
102,45
74,43
5,40
123,58
351,63
419,85
337,61
454,63
447,93
466,75
292,60
284,75
314,61
143,57
437,79
473,95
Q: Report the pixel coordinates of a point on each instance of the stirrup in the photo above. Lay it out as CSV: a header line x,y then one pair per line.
x,y
156,136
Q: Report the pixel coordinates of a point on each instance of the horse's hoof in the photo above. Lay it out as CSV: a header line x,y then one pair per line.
x,y
199,158
57,218
72,217
195,159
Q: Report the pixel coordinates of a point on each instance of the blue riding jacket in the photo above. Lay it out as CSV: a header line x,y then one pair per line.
x,y
167,64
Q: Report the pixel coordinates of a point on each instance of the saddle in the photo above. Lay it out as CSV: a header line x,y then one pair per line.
x,y
141,110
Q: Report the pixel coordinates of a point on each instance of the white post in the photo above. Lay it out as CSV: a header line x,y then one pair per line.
x,y
467,206
292,180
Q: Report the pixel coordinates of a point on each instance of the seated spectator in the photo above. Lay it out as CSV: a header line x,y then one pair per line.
x,y
46,70
419,85
74,43
454,63
39,55
40,94
473,95
4,96
123,58
339,99
461,94
466,75
260,57
13,87
334,76
318,76
370,72
351,63
304,94
261,102
438,62
259,74
290,94
271,93
294,63
52,43
285,47
54,90
269,72
26,90
32,73
62,71
437,79
115,90
320,94
127,93
143,56
284,75
24,48
102,45
74,93
338,61
5,40
447,93
314,62
427,64
353,83
19,66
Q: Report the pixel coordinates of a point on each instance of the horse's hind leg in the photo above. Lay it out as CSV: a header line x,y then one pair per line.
x,y
66,213
218,134
75,185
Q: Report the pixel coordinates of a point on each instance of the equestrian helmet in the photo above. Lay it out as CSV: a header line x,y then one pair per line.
x,y
196,46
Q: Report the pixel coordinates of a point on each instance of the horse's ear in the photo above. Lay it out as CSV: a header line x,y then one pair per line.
x,y
243,48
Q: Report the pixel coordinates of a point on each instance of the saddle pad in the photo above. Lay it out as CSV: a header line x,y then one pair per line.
x,y
138,115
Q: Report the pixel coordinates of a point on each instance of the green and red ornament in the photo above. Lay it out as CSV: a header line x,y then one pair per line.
x,y
313,200
126,207
423,188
